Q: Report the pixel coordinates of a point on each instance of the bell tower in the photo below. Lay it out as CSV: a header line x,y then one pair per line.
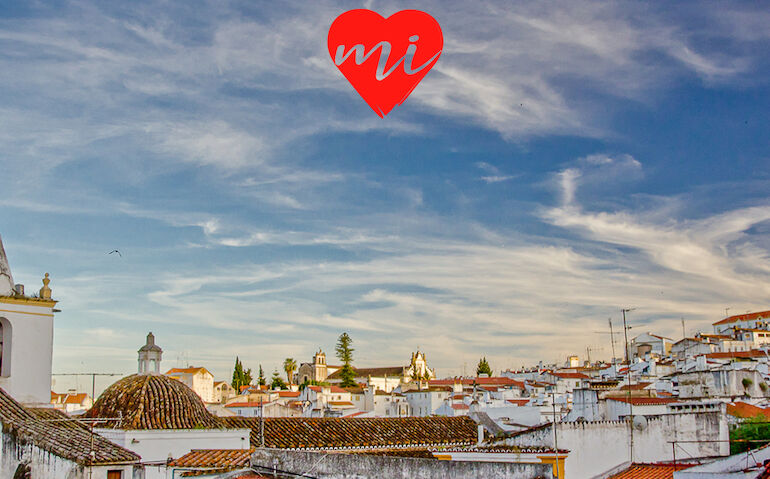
x,y
150,356
26,338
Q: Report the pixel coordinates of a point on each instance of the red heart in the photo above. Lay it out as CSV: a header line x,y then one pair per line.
x,y
374,53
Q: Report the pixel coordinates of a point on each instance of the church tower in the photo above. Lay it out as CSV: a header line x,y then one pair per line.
x,y
149,356
26,338
319,363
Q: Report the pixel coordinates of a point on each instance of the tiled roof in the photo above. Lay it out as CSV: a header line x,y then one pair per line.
x,y
519,402
247,404
754,353
493,381
288,394
328,433
227,473
376,372
152,401
341,403
745,410
460,406
744,317
571,375
55,432
650,471
637,401
214,458
503,448
192,370
634,387
334,389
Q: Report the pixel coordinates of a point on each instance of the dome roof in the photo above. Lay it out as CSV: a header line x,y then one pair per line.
x,y
152,401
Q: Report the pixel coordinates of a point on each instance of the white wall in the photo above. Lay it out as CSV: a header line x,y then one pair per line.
x,y
598,447
31,345
45,465
159,444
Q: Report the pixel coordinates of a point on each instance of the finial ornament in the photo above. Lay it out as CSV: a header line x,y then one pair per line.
x,y
45,291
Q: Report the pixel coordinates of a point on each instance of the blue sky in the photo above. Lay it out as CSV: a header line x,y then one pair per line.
x,y
559,162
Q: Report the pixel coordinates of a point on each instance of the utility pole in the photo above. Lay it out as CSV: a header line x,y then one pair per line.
x,y
684,335
261,424
555,437
612,340
630,406
93,400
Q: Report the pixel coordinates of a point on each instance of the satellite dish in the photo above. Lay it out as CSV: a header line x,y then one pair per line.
x,y
640,423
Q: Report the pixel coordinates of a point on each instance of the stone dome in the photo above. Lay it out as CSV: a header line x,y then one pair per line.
x,y
152,401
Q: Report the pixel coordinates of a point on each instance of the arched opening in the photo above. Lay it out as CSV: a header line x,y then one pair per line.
x,y
6,335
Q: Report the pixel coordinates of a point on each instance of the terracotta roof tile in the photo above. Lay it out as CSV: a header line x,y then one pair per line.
x,y
634,387
650,471
493,381
214,458
333,389
754,353
643,401
744,317
745,410
152,401
571,375
57,433
356,432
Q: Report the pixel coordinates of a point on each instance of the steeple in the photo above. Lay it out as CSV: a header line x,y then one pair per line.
x,y
6,279
149,356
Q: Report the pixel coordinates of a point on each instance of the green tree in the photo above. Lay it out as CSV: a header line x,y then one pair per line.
x,y
755,430
289,365
241,377
277,382
345,354
483,367
237,375
261,380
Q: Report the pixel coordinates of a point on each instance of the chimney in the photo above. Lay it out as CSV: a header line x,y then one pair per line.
x,y
480,430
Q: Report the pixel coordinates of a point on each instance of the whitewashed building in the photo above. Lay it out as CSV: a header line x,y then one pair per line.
x,y
26,338
199,379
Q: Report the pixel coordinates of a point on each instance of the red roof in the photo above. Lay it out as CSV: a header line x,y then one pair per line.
x,y
247,404
493,381
192,370
650,471
744,317
634,387
571,375
334,389
460,406
637,401
519,402
754,353
214,458
288,394
745,410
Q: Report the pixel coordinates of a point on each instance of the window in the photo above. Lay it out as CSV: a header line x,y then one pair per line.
x,y
114,474
5,347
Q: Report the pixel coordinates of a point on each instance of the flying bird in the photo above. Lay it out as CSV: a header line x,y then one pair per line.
x,y
115,251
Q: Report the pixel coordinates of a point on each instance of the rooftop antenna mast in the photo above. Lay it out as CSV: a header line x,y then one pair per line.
x,y
93,400
612,338
684,335
630,406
